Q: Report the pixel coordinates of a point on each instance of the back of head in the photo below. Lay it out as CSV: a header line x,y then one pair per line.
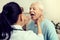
x,y
11,11
8,17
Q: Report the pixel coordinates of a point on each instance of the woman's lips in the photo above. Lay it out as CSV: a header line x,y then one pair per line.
x,y
32,14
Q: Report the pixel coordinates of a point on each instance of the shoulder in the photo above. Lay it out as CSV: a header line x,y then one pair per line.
x,y
34,36
48,23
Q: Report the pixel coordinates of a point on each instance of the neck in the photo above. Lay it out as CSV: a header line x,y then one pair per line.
x,y
19,23
40,19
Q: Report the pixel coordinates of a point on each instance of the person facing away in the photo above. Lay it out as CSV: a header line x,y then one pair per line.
x,y
11,22
38,19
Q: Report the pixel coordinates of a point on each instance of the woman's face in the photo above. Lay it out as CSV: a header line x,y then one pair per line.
x,y
35,11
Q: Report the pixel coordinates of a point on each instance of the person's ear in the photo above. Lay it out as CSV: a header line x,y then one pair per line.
x,y
20,17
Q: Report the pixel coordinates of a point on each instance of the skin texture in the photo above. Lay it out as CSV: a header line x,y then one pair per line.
x,y
36,13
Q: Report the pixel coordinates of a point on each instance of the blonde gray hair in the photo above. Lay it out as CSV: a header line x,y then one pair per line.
x,y
39,4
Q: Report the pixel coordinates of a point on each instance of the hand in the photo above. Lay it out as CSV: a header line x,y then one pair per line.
x,y
38,22
25,19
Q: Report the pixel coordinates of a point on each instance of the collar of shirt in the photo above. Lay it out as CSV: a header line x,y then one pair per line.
x,y
17,27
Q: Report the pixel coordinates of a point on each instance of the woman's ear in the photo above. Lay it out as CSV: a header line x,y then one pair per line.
x,y
20,17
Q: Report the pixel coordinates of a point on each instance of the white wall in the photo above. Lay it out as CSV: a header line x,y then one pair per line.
x,y
51,7
23,3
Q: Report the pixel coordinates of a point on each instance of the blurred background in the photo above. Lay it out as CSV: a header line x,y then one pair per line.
x,y
51,9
